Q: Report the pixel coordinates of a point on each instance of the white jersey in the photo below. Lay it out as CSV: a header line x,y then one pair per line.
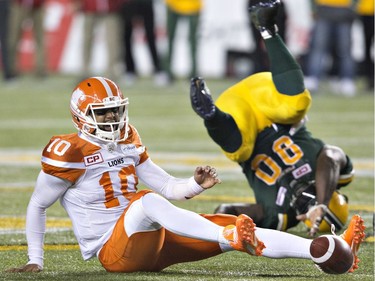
x,y
104,180
95,183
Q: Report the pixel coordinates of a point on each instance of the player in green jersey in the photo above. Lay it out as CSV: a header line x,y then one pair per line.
x,y
260,123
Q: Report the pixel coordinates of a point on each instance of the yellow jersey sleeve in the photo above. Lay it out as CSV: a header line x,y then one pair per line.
x,y
254,103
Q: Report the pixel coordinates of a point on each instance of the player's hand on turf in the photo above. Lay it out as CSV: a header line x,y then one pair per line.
x,y
206,177
315,215
26,268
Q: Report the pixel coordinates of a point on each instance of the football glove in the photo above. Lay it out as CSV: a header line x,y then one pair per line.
x,y
315,214
201,99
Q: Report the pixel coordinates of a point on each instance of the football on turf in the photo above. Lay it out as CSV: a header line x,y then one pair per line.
x,y
331,254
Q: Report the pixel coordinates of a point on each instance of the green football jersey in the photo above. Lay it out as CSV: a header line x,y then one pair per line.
x,y
276,150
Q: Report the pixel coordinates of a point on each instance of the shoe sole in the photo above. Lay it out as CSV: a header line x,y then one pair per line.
x,y
246,235
357,236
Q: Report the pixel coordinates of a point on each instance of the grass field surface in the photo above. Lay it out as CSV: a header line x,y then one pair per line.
x,y
31,111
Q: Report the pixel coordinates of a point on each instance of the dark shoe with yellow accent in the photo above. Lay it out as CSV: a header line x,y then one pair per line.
x,y
263,16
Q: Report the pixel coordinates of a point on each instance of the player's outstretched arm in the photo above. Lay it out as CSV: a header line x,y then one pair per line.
x,y
329,163
206,177
48,190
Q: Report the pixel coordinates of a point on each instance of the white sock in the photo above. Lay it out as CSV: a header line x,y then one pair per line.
x,y
180,221
283,245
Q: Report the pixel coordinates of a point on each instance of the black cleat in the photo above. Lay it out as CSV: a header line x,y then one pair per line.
x,y
263,16
201,99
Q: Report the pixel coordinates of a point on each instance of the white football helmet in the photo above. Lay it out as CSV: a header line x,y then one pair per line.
x,y
99,93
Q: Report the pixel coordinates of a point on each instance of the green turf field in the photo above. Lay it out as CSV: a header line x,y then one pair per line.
x,y
32,111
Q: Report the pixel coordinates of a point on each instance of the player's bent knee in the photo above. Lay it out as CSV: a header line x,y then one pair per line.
x,y
137,220
153,203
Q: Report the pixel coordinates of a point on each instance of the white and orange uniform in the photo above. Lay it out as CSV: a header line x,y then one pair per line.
x,y
103,182
95,184
130,230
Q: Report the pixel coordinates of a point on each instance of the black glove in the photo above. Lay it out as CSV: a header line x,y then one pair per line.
x,y
201,99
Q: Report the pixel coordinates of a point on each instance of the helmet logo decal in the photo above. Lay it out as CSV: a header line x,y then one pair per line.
x,y
78,97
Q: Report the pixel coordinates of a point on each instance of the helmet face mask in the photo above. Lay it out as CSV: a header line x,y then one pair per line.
x,y
110,131
99,110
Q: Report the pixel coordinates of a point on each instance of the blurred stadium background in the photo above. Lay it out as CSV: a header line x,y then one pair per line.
x,y
221,32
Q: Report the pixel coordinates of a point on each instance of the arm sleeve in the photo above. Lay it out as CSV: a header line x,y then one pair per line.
x,y
170,187
47,190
